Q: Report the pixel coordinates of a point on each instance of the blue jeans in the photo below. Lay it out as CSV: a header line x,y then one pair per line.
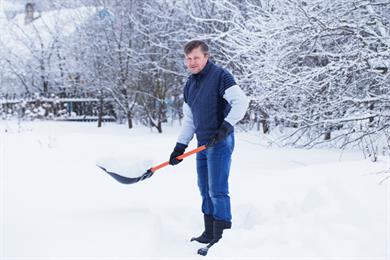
x,y
213,167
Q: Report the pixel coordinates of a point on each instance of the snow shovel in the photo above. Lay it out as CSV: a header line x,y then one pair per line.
x,y
130,180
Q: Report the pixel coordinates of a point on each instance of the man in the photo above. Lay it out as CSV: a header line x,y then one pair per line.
x,y
213,104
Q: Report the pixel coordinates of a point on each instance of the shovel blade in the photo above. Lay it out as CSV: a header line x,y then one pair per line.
x,y
130,180
127,180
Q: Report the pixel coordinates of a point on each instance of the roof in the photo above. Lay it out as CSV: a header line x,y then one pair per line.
x,y
19,38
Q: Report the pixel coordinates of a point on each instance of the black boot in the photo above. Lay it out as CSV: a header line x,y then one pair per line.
x,y
219,226
207,235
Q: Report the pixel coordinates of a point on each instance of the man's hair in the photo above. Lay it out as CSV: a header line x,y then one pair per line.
x,y
195,44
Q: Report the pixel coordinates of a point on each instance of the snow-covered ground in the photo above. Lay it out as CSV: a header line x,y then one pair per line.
x,y
287,203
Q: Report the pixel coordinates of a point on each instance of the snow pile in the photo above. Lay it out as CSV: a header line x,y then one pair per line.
x,y
125,166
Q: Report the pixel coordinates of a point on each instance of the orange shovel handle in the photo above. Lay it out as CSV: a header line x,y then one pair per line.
x,y
180,157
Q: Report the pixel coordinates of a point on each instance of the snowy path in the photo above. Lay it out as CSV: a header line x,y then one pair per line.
x,y
287,203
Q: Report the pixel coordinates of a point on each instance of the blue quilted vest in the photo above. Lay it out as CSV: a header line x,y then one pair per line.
x,y
204,92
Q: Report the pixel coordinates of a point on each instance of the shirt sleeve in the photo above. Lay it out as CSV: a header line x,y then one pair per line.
x,y
238,101
188,127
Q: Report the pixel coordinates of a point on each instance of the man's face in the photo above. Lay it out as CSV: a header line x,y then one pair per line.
x,y
196,60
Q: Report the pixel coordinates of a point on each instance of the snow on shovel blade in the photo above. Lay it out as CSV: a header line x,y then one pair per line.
x,y
127,180
126,170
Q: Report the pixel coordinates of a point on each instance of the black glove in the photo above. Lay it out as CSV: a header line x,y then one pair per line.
x,y
179,150
223,131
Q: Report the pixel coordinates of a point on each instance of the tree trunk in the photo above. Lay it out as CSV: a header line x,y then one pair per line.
x,y
129,120
45,87
100,116
159,127
371,119
265,125
327,135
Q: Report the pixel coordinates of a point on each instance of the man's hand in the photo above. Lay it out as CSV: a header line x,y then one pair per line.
x,y
177,151
223,131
